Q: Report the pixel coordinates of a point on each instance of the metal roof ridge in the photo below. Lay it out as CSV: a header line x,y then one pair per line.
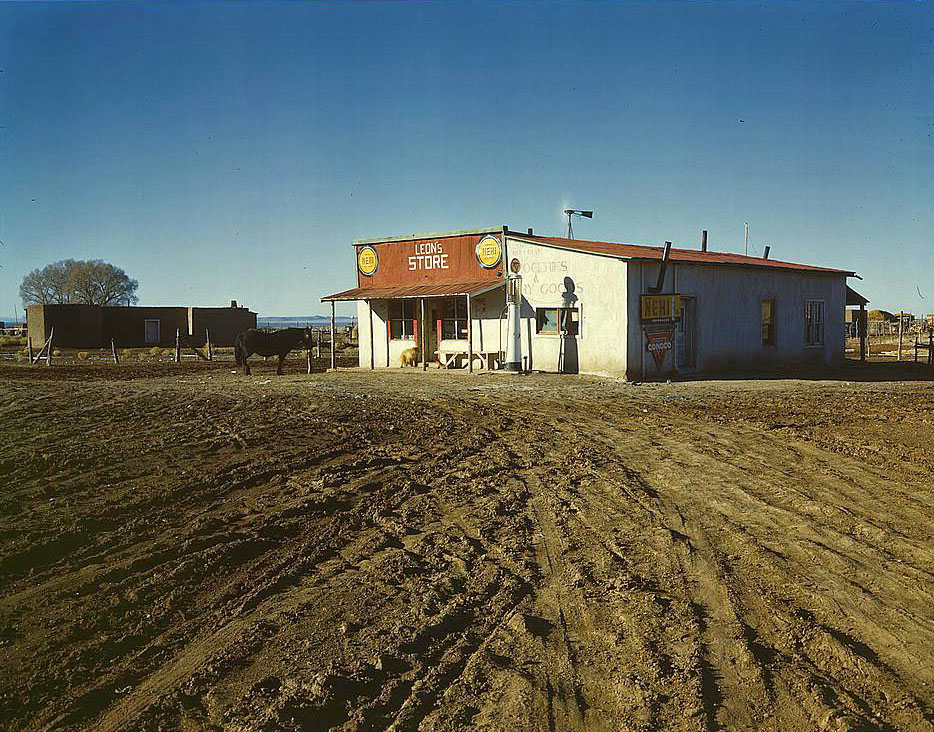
x,y
430,235
565,243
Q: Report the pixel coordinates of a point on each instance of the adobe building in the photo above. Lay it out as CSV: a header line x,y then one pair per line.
x,y
492,297
93,326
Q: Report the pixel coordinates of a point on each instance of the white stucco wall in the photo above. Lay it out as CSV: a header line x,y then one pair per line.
x,y
598,290
728,313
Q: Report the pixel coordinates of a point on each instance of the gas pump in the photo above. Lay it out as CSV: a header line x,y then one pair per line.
x,y
513,318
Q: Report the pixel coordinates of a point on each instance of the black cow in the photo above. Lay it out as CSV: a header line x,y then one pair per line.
x,y
277,343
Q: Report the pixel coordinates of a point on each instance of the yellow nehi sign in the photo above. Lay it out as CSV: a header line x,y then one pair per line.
x,y
489,252
367,260
660,308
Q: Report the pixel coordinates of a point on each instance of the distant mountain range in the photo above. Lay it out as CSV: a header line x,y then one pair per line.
x,y
263,321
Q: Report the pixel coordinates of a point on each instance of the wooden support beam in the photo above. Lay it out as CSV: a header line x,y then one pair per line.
x,y
207,337
333,325
178,345
469,337
113,350
48,352
369,304
423,333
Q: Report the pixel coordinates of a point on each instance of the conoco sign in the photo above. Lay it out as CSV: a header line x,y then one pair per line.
x,y
659,343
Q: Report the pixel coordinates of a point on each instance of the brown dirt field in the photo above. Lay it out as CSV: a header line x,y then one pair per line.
x,y
186,548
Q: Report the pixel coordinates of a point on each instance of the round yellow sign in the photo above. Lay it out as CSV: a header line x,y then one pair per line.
x,y
489,252
367,261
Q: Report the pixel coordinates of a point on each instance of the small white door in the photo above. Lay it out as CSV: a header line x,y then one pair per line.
x,y
151,331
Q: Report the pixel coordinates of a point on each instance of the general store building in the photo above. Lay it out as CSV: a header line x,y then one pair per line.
x,y
592,307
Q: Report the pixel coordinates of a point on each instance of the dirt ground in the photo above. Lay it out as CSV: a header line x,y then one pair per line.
x,y
186,548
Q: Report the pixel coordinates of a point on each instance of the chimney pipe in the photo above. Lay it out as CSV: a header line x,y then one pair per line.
x,y
765,255
530,231
233,303
703,241
661,270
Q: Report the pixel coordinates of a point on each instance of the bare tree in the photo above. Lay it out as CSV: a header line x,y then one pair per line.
x,y
91,282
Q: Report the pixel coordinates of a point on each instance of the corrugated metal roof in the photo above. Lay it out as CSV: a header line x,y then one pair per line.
x,y
692,256
394,292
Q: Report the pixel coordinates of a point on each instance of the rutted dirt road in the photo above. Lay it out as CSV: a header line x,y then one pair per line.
x,y
355,551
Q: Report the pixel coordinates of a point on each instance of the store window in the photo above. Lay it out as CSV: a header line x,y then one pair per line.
x,y
402,319
814,323
555,321
454,319
768,322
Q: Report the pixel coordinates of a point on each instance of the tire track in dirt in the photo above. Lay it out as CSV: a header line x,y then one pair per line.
x,y
583,556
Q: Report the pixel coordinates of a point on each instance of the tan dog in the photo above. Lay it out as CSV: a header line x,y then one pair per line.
x,y
409,357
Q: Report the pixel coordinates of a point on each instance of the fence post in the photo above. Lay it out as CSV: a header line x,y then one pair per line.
x,y
178,345
207,337
113,350
308,359
901,327
48,354
29,347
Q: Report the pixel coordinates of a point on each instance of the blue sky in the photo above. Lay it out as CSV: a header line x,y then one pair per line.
x,y
220,151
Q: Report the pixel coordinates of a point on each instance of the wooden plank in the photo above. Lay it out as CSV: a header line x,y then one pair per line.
x,y
423,333
333,352
369,304
469,337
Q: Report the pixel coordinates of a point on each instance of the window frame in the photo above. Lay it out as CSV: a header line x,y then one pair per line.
x,y
770,340
458,306
563,317
406,326
814,328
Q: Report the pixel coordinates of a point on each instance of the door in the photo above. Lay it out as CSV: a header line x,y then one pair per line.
x,y
686,334
151,331
432,325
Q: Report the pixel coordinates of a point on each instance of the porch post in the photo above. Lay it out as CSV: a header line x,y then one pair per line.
x,y
333,355
369,305
422,333
469,336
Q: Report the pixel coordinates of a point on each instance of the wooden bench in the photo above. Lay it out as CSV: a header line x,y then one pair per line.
x,y
450,359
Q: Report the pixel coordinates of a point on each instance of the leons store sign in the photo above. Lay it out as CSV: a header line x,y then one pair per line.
x,y
436,260
660,308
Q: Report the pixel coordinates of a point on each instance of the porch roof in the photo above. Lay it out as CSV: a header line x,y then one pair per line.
x,y
398,292
854,298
